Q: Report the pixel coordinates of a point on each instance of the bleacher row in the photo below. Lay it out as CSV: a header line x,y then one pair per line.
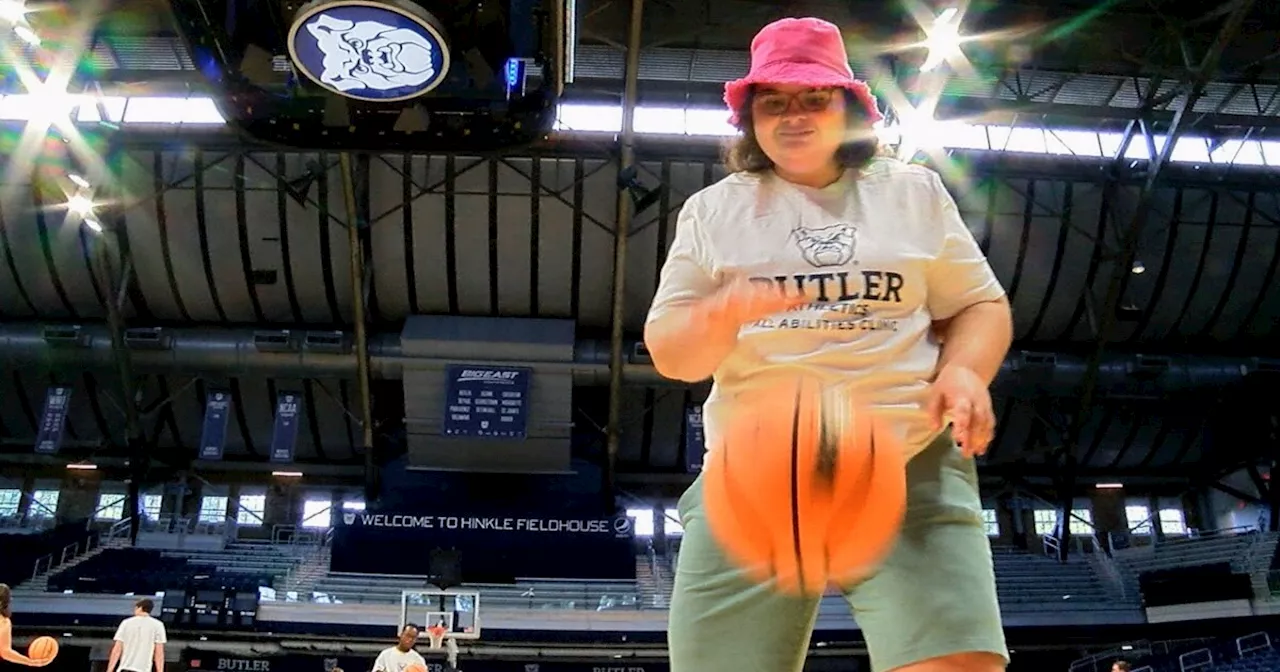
x,y
27,553
1025,581
119,571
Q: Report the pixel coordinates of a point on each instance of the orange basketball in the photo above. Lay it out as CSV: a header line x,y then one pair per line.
x,y
43,648
805,487
415,668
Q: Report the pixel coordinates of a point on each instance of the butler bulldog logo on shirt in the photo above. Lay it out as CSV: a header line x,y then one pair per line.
x,y
832,245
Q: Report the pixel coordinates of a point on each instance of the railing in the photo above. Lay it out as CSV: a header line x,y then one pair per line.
x,y
72,551
1258,641
1193,533
1102,661
1080,544
1195,660
1252,560
1052,547
509,597
298,535
1109,571
291,582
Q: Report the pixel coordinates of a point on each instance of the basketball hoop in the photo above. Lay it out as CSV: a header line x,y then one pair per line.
x,y
436,634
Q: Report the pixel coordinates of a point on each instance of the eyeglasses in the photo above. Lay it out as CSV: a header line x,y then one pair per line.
x,y
775,104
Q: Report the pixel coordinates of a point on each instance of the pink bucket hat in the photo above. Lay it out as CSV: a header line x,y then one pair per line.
x,y
809,52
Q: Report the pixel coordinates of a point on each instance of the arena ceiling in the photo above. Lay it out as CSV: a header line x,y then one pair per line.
x,y
227,241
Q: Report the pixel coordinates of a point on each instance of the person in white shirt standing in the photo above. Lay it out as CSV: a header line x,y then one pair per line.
x,y
139,642
400,657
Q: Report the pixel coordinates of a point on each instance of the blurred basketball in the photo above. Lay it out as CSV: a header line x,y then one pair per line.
x,y
43,648
804,487
415,668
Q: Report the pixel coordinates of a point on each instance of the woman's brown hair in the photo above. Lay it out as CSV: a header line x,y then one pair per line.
x,y
744,154
6,601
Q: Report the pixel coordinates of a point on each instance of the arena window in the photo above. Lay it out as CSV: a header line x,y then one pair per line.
x,y
1081,522
10,499
317,514
199,111
1046,520
213,509
110,506
160,110
151,506
1138,517
44,505
642,519
991,521
253,509
1172,521
930,133
671,523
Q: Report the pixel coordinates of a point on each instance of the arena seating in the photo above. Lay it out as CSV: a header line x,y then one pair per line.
x,y
148,571
1030,582
259,558
1248,550
22,550
340,587
1026,582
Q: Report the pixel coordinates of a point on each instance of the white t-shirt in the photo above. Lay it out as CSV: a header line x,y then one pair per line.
x,y
884,252
394,660
138,636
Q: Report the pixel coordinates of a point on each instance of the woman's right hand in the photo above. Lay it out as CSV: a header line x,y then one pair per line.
x,y
690,343
742,301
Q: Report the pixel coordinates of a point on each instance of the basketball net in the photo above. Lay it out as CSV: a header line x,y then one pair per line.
x,y
436,634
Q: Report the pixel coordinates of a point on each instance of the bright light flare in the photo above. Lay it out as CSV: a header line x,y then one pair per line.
x,y
27,35
80,205
13,11
93,225
943,40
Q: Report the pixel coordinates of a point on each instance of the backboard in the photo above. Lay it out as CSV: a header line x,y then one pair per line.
x,y
457,609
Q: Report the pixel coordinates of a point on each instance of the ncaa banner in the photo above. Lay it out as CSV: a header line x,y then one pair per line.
x,y
695,439
491,548
213,437
284,433
53,420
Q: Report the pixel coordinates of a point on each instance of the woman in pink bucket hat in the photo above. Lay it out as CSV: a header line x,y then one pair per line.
x,y
884,291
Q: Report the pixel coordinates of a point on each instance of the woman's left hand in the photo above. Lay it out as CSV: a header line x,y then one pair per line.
x,y
960,395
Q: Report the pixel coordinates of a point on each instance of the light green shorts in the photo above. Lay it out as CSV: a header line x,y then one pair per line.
x,y
934,596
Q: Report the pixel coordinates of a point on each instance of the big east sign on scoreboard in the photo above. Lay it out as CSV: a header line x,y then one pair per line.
x,y
486,401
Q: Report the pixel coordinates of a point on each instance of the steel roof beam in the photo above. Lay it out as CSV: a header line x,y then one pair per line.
x,y
1194,86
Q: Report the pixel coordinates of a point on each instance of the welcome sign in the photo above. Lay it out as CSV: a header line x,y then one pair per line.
x,y
492,546
616,526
